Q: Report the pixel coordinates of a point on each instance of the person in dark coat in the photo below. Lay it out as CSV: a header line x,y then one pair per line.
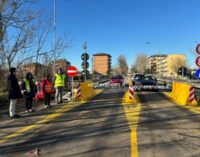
x,y
29,90
14,92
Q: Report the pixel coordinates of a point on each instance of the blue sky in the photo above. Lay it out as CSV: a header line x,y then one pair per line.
x,y
123,26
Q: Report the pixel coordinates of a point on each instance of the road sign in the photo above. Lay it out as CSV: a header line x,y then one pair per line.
x,y
85,56
197,74
198,61
72,71
198,49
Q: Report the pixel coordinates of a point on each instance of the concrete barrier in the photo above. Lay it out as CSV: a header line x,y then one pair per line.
x,y
180,93
86,92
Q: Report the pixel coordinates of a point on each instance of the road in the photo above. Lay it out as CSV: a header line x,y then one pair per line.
x,y
99,128
165,129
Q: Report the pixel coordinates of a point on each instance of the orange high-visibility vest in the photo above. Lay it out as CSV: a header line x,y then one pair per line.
x,y
48,87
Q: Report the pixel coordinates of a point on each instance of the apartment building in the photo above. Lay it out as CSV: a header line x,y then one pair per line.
x,y
165,65
153,63
102,64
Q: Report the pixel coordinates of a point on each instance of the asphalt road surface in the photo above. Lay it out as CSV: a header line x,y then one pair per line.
x,y
99,128
165,129
95,129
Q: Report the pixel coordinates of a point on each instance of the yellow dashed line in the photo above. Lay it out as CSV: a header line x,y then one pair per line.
x,y
132,111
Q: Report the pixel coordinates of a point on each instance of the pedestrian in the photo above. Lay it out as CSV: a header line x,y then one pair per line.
x,y
14,92
29,90
47,89
59,83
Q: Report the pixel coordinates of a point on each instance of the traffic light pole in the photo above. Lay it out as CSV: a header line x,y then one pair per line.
x,y
85,77
85,47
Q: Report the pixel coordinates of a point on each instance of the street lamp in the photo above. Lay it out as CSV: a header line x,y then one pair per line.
x,y
54,49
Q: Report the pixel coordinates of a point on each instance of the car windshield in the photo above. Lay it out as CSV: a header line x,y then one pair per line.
x,y
149,78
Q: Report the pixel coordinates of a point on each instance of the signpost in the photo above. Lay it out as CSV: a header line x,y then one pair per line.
x,y
71,72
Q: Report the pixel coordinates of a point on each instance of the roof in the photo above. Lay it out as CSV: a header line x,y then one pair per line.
x,y
101,54
33,64
62,60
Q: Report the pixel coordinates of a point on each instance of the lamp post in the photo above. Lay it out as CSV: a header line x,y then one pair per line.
x,y
54,47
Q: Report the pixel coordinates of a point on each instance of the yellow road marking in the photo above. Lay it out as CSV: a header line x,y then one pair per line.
x,y
56,114
132,112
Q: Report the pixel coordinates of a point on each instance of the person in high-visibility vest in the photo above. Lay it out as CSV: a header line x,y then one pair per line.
x,y
59,83
29,90
47,89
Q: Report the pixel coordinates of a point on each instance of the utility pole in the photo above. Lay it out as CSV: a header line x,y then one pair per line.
x,y
54,47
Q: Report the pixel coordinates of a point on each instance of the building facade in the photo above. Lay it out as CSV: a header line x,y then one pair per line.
x,y
153,63
62,63
102,64
33,68
165,65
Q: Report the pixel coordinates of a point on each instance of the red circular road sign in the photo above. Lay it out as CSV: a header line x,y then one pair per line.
x,y
198,61
198,49
72,71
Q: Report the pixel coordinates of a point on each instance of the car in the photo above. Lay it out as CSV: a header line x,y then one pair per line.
x,y
137,77
117,80
147,83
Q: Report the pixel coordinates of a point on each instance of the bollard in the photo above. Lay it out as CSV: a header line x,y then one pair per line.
x,y
79,91
191,96
131,92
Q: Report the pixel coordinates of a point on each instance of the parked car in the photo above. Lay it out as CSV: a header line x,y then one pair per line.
x,y
117,80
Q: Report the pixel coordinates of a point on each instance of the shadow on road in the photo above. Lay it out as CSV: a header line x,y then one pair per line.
x,y
102,117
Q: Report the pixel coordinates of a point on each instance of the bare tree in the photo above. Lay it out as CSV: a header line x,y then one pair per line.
x,y
43,28
122,65
133,69
62,43
140,64
17,28
176,63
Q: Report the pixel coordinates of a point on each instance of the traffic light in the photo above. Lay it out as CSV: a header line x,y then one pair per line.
x,y
182,71
85,64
